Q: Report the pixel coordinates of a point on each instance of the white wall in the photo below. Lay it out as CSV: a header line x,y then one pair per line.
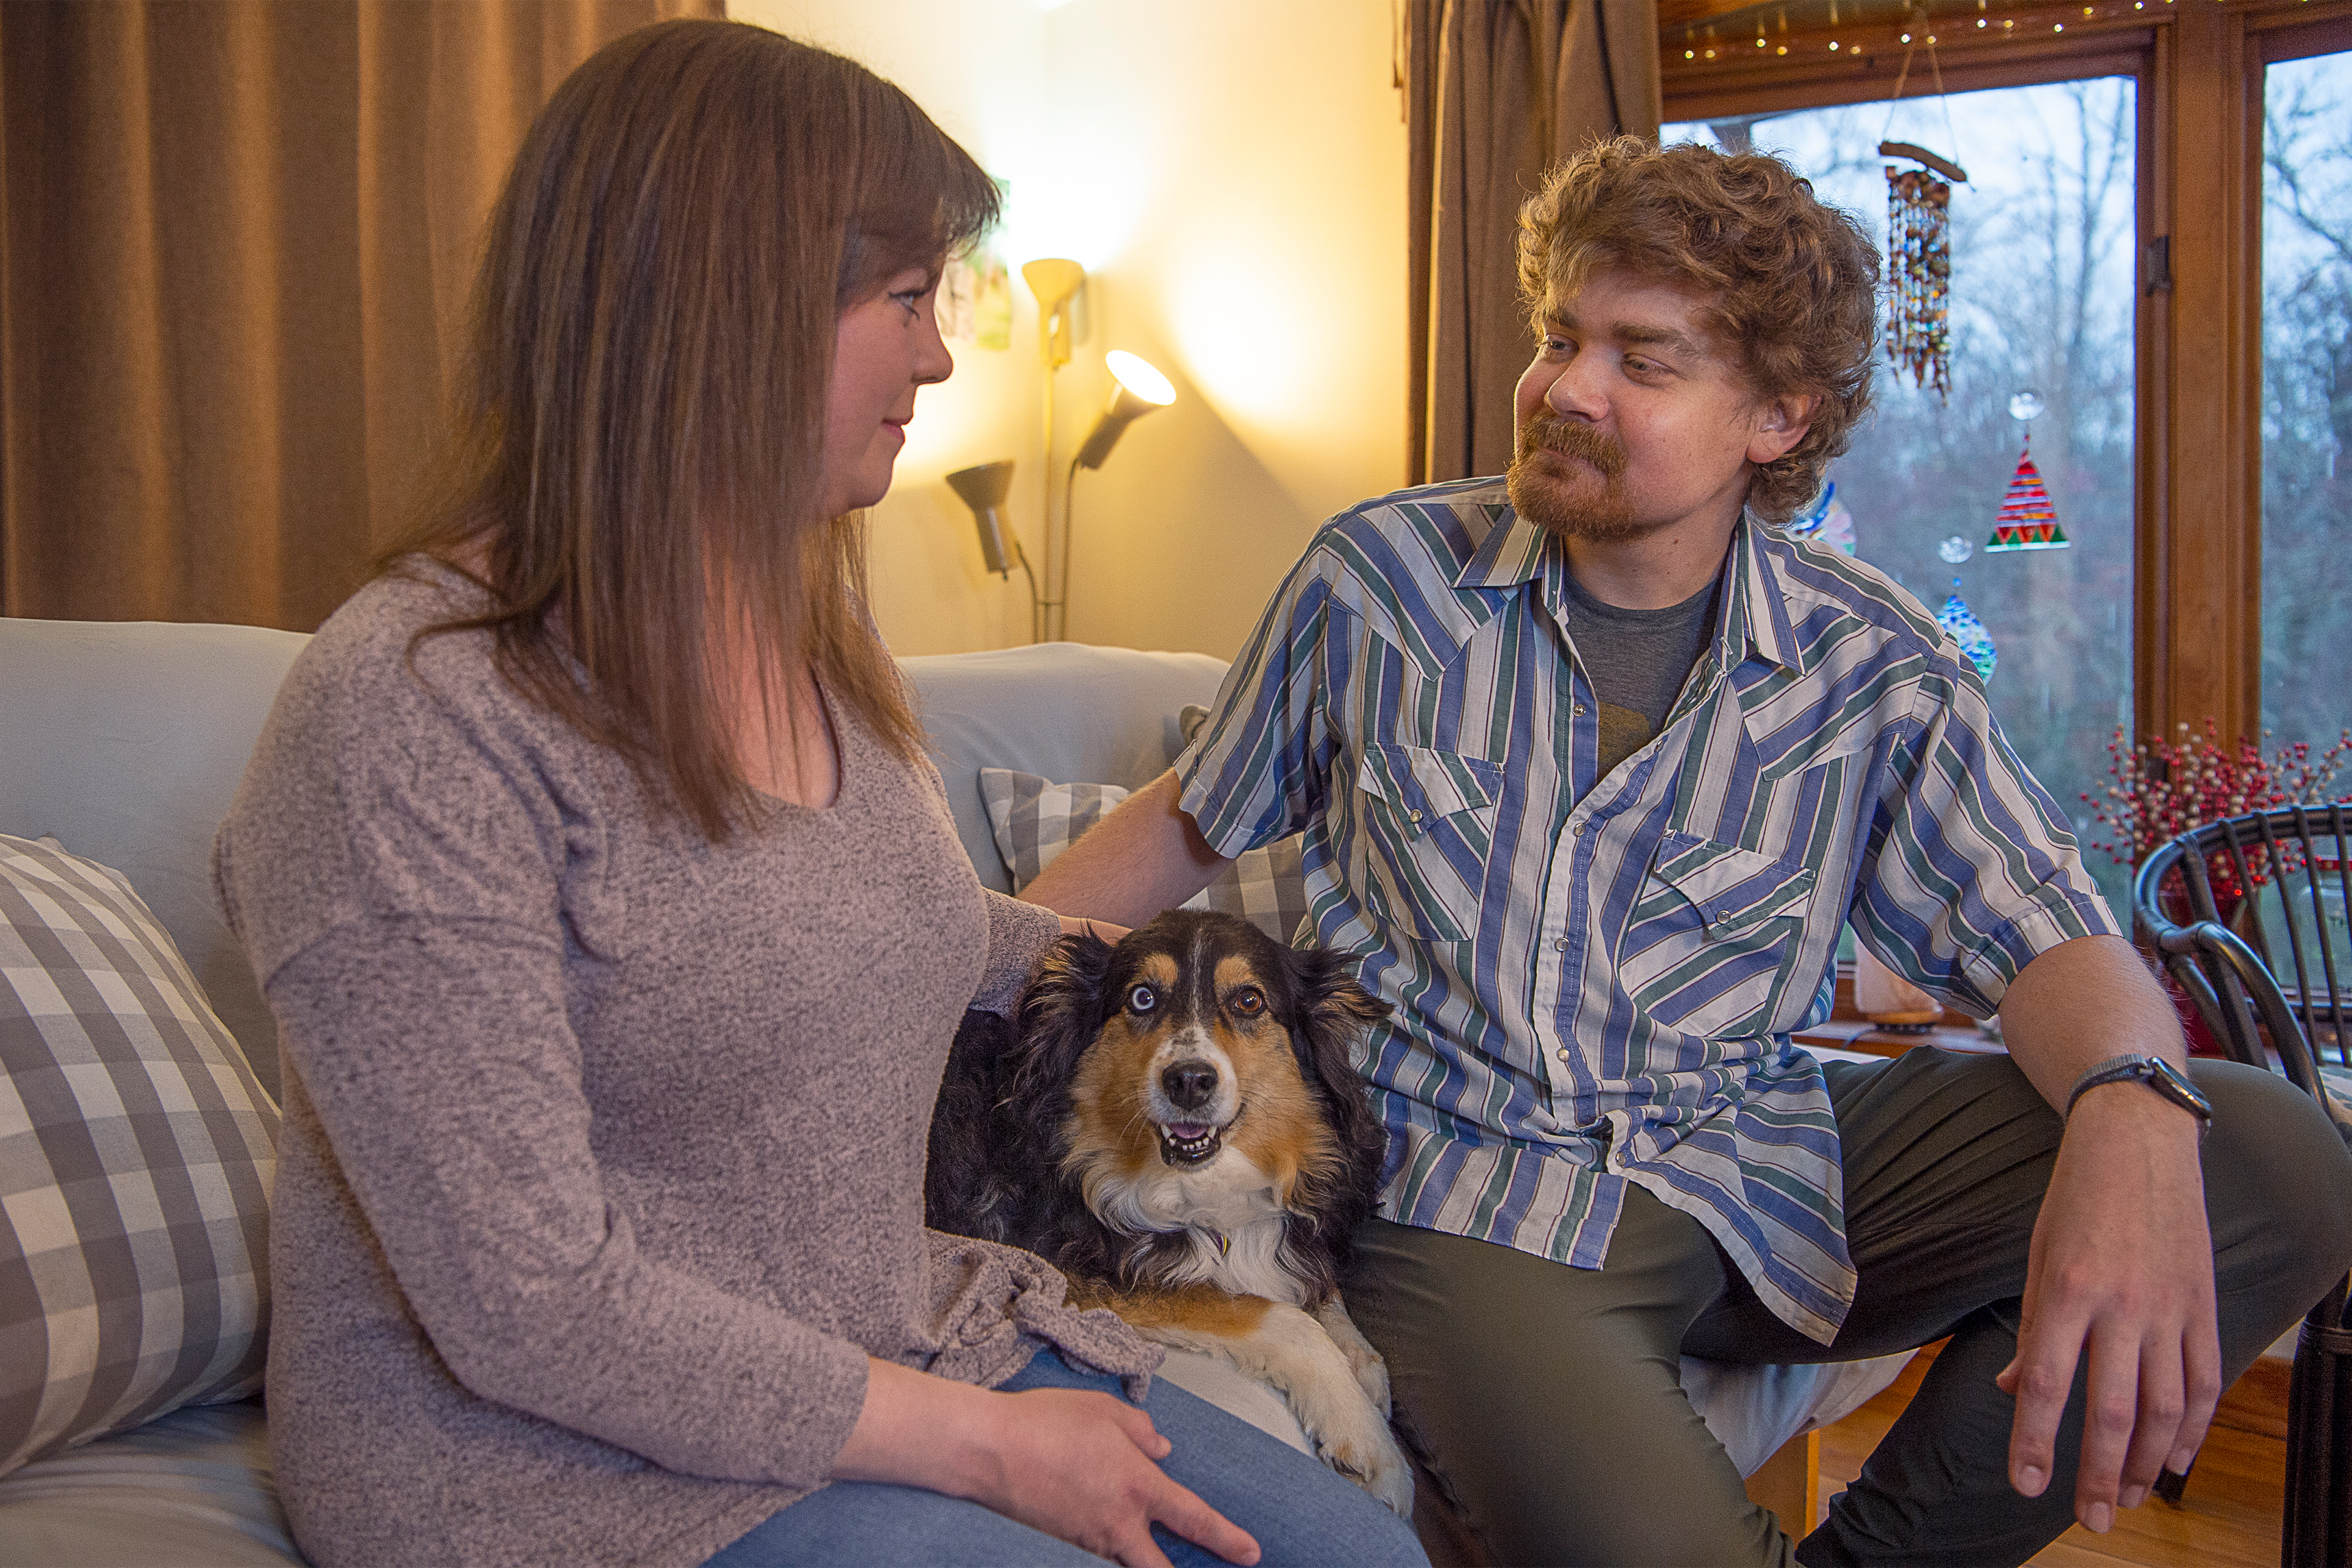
x,y
1232,174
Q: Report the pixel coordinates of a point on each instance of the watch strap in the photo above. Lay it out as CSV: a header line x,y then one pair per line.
x,y
2154,1071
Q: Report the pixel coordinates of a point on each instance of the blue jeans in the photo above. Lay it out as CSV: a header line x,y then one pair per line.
x,y
1301,1513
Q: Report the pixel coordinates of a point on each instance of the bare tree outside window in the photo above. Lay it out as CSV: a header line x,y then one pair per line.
x,y
2042,286
2306,397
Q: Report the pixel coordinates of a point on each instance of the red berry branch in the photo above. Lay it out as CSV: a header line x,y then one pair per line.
x,y
2164,788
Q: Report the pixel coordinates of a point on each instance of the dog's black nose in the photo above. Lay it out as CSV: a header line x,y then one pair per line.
x,y
1188,1085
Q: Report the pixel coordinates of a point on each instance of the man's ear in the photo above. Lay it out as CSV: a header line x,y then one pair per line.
x,y
1780,423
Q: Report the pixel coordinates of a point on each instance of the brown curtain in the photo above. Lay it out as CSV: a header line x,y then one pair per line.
x,y
235,238
1498,91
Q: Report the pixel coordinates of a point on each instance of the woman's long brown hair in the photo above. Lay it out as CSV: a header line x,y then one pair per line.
x,y
637,448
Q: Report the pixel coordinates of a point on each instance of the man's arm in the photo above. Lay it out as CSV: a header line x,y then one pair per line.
x,y
1145,856
2122,1265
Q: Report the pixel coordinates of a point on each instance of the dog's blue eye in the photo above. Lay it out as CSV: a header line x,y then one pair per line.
x,y
1142,999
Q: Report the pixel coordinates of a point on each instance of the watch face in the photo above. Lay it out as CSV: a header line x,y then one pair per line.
x,y
2174,1085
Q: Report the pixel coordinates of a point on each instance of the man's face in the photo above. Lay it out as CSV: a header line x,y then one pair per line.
x,y
1631,419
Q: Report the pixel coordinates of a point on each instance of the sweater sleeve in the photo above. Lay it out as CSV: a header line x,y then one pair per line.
x,y
438,1061
1018,936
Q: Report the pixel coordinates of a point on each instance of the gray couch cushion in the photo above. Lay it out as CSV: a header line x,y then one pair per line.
x,y
191,1489
1064,710
124,741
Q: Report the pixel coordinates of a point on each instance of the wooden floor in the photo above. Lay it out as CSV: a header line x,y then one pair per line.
x,y
2229,1518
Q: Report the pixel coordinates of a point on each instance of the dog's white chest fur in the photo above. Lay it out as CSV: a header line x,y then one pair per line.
x,y
1230,1217
1247,1262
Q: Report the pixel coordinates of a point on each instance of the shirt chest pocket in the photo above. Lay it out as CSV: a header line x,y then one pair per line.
x,y
1714,937
1428,822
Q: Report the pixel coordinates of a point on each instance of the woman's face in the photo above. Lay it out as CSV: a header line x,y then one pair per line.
x,y
886,347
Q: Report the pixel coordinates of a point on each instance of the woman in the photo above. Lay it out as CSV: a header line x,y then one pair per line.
x,y
616,928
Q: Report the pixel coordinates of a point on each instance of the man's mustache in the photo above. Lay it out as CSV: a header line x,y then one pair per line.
x,y
1550,432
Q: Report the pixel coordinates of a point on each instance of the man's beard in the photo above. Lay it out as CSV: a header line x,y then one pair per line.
x,y
1547,500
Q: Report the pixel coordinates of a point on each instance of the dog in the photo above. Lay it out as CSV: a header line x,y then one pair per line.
x,y
1175,1125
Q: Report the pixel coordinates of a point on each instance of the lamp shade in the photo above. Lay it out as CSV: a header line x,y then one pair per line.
x,y
1053,279
983,489
1136,389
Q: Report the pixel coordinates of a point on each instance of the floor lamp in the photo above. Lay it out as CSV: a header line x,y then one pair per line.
x,y
1135,390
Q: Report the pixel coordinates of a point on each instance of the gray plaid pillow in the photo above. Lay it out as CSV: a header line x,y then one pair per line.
x,y
136,1152
1036,820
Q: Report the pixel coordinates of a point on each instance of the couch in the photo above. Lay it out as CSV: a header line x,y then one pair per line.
x,y
123,743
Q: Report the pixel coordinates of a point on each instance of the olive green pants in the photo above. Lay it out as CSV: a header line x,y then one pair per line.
x,y
1546,1400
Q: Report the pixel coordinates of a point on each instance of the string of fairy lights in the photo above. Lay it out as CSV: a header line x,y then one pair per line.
x,y
1771,40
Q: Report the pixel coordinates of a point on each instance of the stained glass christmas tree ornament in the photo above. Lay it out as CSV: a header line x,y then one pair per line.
x,y
1957,618
2027,520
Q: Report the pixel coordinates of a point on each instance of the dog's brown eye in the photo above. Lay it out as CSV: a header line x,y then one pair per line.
x,y
1142,999
1249,1001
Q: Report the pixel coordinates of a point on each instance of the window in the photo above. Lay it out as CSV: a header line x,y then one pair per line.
x,y
2307,619
2042,302
2216,591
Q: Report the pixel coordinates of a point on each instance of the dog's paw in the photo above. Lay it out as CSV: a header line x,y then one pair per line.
x,y
1369,1458
1348,1431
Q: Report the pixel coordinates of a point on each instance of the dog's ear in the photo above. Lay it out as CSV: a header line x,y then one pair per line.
x,y
1334,1011
1061,1013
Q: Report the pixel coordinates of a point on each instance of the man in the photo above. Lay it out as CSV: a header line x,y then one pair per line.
x,y
1593,766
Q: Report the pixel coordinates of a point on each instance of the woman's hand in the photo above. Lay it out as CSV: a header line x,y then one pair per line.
x,y
1081,1467
1078,925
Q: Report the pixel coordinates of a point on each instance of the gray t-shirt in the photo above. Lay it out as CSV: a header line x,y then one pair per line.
x,y
1637,661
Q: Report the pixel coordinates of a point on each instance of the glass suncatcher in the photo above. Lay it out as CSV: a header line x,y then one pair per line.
x,y
2027,520
1957,618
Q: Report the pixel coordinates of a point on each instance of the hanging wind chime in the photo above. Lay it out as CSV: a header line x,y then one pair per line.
x,y
1919,247
1919,265
2027,521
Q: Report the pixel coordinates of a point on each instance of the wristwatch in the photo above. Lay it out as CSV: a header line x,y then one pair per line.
x,y
2154,1071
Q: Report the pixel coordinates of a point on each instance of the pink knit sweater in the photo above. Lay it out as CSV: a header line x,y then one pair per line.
x,y
601,1167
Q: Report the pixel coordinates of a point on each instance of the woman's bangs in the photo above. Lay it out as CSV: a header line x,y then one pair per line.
x,y
919,197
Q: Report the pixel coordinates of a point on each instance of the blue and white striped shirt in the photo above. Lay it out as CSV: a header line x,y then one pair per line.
x,y
1595,978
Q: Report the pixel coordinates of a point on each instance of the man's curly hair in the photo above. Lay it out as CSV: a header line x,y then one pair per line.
x,y
1791,284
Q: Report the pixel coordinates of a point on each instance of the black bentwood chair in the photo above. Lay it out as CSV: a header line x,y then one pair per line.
x,y
2230,908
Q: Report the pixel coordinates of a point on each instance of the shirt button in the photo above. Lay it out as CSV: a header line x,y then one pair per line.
x,y
1578,831
1560,945
1564,1052
1412,813
1578,710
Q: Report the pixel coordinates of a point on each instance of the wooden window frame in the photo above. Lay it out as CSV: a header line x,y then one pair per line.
x,y
2198,65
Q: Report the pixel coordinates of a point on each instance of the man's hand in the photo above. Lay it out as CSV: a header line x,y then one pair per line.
x,y
2122,1264
2121,1271
1076,925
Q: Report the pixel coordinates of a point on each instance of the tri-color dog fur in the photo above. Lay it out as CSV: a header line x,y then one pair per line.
x,y
1174,1124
